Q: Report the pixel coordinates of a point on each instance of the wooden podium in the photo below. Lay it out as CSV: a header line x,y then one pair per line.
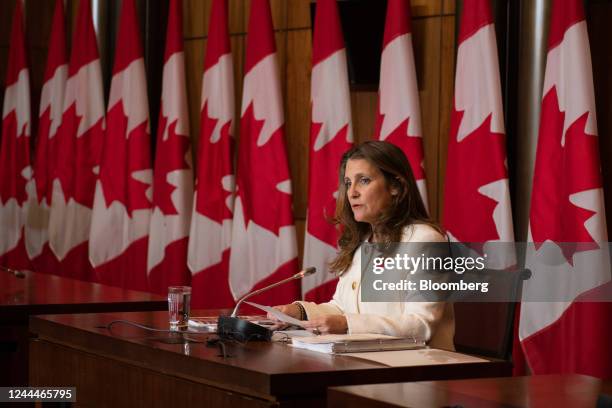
x,y
133,367
39,293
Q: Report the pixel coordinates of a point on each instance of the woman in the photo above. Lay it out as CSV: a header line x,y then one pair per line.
x,y
378,201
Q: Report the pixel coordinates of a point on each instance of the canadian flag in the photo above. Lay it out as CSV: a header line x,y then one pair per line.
x,y
211,222
476,193
173,177
567,207
399,112
331,134
77,151
15,169
122,204
263,234
50,116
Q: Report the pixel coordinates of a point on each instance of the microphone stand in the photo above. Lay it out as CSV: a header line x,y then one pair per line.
x,y
233,327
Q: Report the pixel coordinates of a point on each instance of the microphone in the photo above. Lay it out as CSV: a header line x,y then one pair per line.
x,y
299,275
243,330
15,272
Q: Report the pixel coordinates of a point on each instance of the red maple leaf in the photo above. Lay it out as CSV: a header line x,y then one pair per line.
x,y
323,183
43,175
260,170
123,156
475,161
411,145
76,157
215,162
170,156
561,171
14,158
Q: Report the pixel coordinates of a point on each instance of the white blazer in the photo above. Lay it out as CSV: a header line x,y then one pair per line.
x,y
432,321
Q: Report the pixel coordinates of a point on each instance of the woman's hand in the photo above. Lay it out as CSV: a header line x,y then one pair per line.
x,y
291,310
327,324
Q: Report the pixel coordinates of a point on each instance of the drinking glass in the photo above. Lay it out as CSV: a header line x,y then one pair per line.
x,y
179,300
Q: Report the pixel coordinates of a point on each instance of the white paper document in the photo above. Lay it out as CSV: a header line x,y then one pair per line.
x,y
202,326
406,358
277,313
349,343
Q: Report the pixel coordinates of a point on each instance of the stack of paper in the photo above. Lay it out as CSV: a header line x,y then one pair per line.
x,y
350,343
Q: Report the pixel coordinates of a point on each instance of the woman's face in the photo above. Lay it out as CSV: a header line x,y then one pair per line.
x,y
367,190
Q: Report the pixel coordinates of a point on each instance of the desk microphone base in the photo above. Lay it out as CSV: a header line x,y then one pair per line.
x,y
229,327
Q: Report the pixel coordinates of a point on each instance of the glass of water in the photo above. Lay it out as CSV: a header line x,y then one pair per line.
x,y
179,300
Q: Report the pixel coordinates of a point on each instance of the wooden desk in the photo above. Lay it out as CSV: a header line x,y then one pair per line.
x,y
131,367
569,390
39,293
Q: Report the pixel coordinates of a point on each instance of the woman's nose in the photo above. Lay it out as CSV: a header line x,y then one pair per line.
x,y
353,192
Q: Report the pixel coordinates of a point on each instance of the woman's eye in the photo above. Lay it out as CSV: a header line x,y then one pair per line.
x,y
364,180
347,183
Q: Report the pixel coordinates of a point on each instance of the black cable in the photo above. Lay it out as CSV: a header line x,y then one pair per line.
x,y
186,335
220,342
141,326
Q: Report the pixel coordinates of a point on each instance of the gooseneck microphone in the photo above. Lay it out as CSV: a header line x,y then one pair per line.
x,y
243,330
299,275
17,273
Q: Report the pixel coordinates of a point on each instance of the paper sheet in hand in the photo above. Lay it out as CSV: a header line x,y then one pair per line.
x,y
277,314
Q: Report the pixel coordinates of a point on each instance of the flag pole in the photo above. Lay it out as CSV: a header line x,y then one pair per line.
x,y
534,20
